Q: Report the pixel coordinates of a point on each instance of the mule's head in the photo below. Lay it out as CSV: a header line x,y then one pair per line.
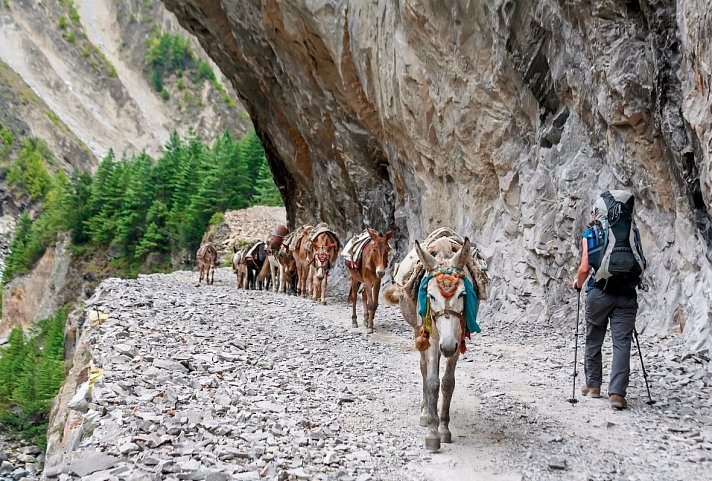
x,y
324,250
446,294
380,248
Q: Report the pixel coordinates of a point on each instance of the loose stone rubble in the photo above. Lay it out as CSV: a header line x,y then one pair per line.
x,y
213,383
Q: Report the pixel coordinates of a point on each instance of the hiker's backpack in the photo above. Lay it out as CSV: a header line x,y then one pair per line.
x,y
615,255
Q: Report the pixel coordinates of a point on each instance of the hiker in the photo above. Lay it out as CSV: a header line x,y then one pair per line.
x,y
613,262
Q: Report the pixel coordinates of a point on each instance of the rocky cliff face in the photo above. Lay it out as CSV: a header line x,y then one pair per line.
x,y
52,284
503,119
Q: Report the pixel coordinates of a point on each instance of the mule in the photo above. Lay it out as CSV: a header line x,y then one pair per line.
x,y
302,257
254,260
325,247
274,244
444,286
287,270
270,271
368,269
239,268
207,257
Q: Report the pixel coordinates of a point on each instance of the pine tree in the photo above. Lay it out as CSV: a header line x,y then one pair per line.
x,y
18,259
58,209
81,193
131,216
29,171
25,392
167,172
253,155
267,191
106,199
11,359
155,238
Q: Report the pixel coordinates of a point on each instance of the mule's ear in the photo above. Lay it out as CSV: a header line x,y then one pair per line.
x,y
390,234
429,262
462,256
372,233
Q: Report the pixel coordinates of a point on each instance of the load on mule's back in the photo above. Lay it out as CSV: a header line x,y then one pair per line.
x,y
207,258
254,259
271,271
438,287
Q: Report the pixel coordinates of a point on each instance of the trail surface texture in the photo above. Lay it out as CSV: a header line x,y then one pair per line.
x,y
214,383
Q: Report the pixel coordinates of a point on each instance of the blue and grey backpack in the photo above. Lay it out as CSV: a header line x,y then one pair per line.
x,y
615,253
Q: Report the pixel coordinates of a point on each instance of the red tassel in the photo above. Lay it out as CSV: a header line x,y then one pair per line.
x,y
422,342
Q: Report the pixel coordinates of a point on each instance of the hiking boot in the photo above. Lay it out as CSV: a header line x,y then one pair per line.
x,y
618,402
595,392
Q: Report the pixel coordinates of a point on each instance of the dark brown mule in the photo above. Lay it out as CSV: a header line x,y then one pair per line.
x,y
207,258
369,271
325,251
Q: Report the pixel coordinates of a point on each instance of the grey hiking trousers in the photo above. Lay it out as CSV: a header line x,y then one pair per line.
x,y
620,310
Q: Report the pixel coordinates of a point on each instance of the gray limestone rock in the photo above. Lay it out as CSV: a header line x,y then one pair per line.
x,y
91,462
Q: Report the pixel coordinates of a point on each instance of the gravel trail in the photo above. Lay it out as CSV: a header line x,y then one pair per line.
x,y
213,383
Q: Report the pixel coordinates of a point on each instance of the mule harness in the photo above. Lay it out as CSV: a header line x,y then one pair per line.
x,y
447,280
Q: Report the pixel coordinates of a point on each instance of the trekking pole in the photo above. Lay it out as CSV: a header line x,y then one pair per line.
x,y
573,399
645,374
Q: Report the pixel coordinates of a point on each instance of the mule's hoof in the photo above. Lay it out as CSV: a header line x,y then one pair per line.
x,y
369,330
354,323
445,437
432,444
423,421
323,303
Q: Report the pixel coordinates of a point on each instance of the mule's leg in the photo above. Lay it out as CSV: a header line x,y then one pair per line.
x,y
424,374
280,284
201,277
353,297
448,386
314,283
432,392
299,280
367,303
322,288
302,280
275,278
374,290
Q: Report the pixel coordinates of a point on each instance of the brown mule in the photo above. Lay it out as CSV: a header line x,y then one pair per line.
x,y
207,257
369,272
302,257
325,250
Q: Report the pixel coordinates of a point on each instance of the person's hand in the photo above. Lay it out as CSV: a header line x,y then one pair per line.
x,y
575,284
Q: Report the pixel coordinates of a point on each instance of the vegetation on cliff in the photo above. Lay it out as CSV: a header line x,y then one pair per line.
x,y
31,373
170,55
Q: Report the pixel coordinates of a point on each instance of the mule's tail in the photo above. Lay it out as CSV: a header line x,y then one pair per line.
x,y
392,295
264,271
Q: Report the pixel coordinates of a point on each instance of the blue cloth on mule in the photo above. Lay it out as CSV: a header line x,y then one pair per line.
x,y
471,301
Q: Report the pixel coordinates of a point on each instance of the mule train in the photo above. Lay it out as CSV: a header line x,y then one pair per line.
x,y
438,287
